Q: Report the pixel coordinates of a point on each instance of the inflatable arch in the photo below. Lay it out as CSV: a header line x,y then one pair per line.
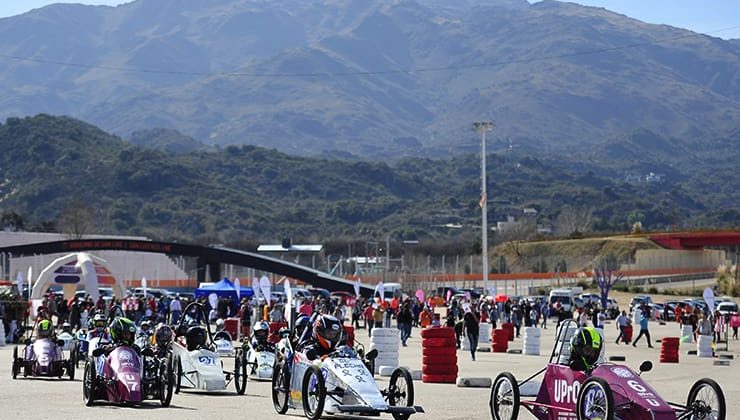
x,y
78,269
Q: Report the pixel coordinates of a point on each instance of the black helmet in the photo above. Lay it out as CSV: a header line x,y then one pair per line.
x,y
301,323
163,335
261,331
327,331
586,344
146,326
123,331
195,337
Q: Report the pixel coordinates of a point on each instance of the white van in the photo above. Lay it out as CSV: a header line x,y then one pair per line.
x,y
566,297
391,290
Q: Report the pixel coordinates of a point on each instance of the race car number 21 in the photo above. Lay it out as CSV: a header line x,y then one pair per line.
x,y
206,361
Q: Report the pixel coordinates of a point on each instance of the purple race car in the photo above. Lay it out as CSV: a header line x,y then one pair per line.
x,y
607,392
42,356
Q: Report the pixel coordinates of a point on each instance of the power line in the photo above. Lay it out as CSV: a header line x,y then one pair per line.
x,y
360,73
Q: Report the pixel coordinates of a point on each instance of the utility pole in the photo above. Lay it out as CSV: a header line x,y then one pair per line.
x,y
482,127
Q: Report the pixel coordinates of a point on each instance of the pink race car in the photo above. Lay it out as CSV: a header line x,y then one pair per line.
x,y
608,391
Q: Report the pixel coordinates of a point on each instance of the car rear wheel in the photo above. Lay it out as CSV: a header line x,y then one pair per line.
x,y
313,393
240,373
595,400
88,383
706,400
16,366
280,388
504,401
401,391
166,381
71,367
178,380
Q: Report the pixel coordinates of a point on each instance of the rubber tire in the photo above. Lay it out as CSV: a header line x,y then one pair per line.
x,y
716,388
240,370
438,342
15,368
609,415
439,351
384,348
71,369
76,353
405,375
281,407
382,340
438,360
89,375
165,396
439,379
441,332
320,388
384,332
505,376
441,369
178,381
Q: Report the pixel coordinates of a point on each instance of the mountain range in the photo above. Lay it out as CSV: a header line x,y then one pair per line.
x,y
371,79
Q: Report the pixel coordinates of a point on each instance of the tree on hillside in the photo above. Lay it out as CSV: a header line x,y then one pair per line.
x,y
605,280
76,220
11,221
573,220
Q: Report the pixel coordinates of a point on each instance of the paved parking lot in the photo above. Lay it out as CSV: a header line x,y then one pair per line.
x,y
54,399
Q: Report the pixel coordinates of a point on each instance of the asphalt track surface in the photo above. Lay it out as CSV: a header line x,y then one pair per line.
x,y
32,399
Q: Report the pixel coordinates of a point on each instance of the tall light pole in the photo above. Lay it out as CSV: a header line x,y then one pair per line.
x,y
483,127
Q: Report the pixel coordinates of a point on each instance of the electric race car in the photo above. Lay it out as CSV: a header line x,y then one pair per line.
x,y
339,384
607,391
43,355
198,364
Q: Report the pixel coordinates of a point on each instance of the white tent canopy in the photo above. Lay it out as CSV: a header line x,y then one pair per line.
x,y
78,269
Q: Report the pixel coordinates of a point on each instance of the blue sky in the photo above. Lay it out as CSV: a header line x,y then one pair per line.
x,y
697,15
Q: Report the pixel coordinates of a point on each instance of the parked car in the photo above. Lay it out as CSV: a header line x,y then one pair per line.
x,y
727,308
591,298
639,301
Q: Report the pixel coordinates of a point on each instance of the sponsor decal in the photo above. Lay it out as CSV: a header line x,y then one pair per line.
x,y
206,361
566,393
622,372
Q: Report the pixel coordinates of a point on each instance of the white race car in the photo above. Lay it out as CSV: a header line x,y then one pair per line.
x,y
259,361
198,363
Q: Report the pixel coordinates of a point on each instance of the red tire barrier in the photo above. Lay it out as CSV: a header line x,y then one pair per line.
x,y
439,379
669,350
439,355
509,328
350,333
500,340
627,336
438,332
438,342
439,351
440,369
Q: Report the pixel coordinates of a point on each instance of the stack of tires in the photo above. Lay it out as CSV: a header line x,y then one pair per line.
x,y
484,337
500,340
704,346
509,328
687,334
349,332
531,341
669,350
439,355
386,341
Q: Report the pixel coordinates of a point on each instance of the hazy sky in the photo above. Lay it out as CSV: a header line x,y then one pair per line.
x,y
697,15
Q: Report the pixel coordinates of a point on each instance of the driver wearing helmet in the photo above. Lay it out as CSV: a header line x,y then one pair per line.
x,y
45,329
301,324
196,337
67,328
326,335
122,333
97,329
259,335
146,328
585,348
163,335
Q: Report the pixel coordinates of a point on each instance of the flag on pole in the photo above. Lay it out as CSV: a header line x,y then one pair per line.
x,y
19,282
143,285
30,280
357,287
238,289
482,201
256,288
288,302
379,291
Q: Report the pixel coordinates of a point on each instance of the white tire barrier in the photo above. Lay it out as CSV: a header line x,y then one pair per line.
x,y
386,370
687,334
704,346
484,337
473,382
531,341
387,342
2,333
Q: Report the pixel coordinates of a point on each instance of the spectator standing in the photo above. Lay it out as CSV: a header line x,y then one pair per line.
x,y
622,322
643,330
472,330
404,319
175,310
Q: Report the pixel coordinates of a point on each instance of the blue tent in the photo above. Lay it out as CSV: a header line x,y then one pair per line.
x,y
224,289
